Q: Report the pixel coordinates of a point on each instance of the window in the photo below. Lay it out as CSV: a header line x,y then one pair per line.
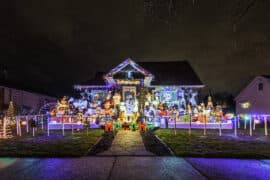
x,y
245,105
260,86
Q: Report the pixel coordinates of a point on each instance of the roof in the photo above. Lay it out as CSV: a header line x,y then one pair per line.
x,y
168,73
266,76
172,73
97,80
249,86
23,87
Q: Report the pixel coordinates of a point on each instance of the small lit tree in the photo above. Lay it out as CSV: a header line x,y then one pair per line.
x,y
5,130
11,110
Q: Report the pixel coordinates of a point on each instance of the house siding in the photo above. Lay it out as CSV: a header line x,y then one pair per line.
x,y
23,98
259,100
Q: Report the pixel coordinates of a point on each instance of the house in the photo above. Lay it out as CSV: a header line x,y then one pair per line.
x,y
255,98
135,85
21,97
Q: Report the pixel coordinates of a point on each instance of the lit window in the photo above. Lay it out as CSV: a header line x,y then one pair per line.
x,y
245,105
260,86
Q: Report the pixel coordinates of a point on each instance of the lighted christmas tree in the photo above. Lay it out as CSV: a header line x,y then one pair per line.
x,y
5,130
11,110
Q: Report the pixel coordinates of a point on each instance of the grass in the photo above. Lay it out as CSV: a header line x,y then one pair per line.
x,y
104,144
54,145
213,145
153,144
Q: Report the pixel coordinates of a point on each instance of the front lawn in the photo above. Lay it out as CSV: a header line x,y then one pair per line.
x,y
213,145
54,145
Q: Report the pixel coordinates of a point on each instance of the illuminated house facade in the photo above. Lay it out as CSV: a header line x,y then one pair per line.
x,y
132,88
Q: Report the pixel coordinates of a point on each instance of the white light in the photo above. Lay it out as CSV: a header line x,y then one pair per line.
x,y
245,105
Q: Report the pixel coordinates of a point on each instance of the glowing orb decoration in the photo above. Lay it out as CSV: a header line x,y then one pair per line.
x,y
247,117
229,115
256,121
23,123
245,105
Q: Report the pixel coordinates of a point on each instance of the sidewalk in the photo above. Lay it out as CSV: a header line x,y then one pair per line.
x,y
127,143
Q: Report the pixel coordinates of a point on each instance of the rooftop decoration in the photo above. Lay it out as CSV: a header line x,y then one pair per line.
x,y
133,74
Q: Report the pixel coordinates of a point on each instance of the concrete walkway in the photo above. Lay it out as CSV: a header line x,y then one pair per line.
x,y
127,143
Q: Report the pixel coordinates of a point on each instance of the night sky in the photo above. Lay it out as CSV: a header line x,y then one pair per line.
x,y
51,45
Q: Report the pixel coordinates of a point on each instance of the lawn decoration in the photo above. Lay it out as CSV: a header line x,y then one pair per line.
x,y
5,131
62,106
133,126
11,110
107,108
117,126
142,125
150,125
108,126
33,125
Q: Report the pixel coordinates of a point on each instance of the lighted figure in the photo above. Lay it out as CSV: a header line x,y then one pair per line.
x,y
189,111
209,103
136,105
121,116
182,100
53,112
109,95
62,106
192,99
212,115
85,95
201,115
81,104
167,96
171,113
93,105
207,115
218,113
156,101
149,113
122,107
163,111
130,103
96,98
80,116
148,98
107,108
116,99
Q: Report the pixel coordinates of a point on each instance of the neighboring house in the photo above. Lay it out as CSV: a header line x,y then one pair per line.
x,y
22,98
255,98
